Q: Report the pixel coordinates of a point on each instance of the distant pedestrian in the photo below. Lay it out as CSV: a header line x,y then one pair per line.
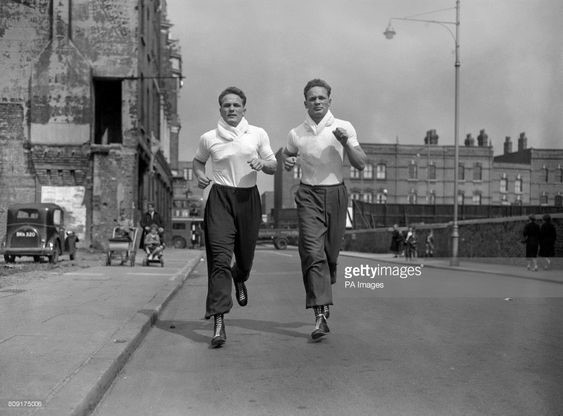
x,y
531,237
149,218
396,241
547,238
410,244
430,244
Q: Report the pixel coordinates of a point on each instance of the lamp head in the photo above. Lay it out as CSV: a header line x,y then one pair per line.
x,y
389,32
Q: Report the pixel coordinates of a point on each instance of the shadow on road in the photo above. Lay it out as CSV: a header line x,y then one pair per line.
x,y
191,329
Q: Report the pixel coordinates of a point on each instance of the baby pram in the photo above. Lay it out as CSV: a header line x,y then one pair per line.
x,y
155,255
154,247
123,245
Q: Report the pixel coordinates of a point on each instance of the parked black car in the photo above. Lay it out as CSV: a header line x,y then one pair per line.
x,y
37,230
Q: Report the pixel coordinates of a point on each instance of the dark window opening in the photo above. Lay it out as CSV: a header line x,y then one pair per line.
x,y
107,127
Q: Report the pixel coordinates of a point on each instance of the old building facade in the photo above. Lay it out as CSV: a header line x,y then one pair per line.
x,y
424,174
88,119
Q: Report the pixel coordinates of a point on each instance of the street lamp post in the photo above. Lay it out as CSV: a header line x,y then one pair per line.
x,y
389,33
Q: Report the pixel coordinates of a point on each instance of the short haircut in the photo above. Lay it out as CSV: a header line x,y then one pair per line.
x,y
232,90
317,83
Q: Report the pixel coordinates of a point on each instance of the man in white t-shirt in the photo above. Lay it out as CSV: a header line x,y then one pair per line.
x,y
321,142
233,211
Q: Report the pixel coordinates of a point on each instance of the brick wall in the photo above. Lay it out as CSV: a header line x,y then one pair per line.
x,y
17,182
115,170
498,237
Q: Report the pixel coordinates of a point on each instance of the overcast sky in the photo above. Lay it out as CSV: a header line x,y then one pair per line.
x,y
511,67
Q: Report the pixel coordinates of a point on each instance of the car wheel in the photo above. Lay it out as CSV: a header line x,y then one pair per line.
x,y
108,258
8,258
54,258
36,259
280,243
179,242
132,259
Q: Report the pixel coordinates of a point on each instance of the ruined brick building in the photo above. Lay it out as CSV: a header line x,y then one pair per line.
x,y
88,109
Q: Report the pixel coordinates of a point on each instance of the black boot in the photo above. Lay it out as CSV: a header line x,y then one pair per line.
x,y
321,327
326,311
219,335
241,293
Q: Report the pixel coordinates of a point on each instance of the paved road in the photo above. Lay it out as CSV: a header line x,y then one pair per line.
x,y
443,343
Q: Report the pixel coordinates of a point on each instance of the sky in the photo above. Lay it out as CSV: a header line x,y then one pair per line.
x,y
511,74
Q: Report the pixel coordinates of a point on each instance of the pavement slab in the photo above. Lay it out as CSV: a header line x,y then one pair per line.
x,y
65,337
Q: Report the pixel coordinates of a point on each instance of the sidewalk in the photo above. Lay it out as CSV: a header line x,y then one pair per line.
x,y
472,264
63,339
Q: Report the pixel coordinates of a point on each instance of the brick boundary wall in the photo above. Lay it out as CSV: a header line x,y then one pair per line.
x,y
495,237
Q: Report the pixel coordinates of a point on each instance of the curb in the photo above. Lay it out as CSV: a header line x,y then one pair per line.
x,y
94,376
446,267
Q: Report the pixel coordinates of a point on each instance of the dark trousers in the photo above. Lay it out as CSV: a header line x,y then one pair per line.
x,y
322,221
231,221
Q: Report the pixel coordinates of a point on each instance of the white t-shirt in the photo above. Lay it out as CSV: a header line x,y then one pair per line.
x,y
322,155
231,150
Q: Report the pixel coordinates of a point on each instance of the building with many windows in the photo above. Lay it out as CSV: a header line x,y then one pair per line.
x,y
88,94
528,176
424,174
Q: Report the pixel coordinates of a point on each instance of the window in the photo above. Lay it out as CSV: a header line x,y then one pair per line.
x,y
368,171
24,214
178,226
518,200
460,197
431,197
504,200
504,185
107,111
413,197
546,174
381,171
477,172
476,198
188,174
57,217
561,175
461,172
297,172
413,170
432,171
355,196
544,200
354,173
368,197
381,197
518,185
558,200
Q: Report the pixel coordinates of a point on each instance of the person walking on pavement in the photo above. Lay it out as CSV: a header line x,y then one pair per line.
x,y
531,234
232,214
396,241
149,218
322,142
547,238
430,244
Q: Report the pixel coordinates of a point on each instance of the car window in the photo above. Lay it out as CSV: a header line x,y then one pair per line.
x,y
57,217
27,214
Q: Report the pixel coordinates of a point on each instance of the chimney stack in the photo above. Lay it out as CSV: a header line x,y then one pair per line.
x,y
482,138
507,145
469,140
522,142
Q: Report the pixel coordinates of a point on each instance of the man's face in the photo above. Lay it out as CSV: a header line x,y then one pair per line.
x,y
151,208
317,103
232,109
